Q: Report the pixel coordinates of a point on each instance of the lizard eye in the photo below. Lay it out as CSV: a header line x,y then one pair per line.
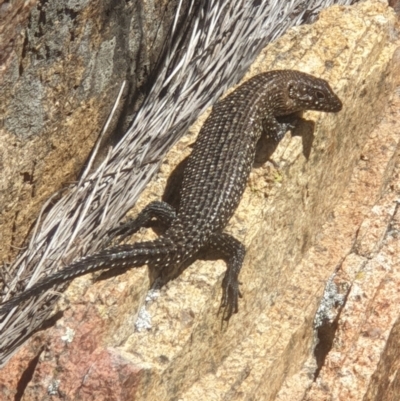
x,y
320,95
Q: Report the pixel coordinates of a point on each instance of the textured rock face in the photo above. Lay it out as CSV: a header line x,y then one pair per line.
x,y
326,206
60,64
357,355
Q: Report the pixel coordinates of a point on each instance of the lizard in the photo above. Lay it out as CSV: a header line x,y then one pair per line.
x,y
214,180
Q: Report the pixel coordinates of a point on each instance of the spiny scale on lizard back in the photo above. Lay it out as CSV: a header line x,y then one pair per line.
x,y
214,180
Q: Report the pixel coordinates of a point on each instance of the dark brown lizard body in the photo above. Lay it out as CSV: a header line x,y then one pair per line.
x,y
214,180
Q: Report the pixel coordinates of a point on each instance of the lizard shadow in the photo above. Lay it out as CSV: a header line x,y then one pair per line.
x,y
305,129
302,127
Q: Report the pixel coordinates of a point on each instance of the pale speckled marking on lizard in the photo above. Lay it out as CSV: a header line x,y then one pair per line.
x,y
214,180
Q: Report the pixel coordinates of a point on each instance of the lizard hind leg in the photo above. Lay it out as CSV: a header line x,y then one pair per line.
x,y
161,211
233,252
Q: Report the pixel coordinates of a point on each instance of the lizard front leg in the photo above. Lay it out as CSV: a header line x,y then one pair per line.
x,y
276,130
233,252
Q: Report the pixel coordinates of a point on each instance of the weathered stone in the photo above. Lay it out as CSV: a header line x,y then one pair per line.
x,y
360,355
60,64
13,19
299,219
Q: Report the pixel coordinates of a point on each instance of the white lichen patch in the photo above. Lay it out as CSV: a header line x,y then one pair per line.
x,y
143,321
69,335
52,388
332,298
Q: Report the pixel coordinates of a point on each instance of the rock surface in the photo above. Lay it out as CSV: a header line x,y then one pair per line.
x,y
357,356
325,211
60,64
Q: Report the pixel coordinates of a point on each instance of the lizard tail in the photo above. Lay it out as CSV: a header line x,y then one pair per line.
x,y
121,256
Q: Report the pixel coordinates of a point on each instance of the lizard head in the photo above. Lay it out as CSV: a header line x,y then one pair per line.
x,y
310,93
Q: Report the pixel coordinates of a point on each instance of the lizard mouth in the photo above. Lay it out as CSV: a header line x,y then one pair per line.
x,y
337,105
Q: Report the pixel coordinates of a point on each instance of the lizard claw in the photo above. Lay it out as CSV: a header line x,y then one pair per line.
x,y
123,231
230,296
